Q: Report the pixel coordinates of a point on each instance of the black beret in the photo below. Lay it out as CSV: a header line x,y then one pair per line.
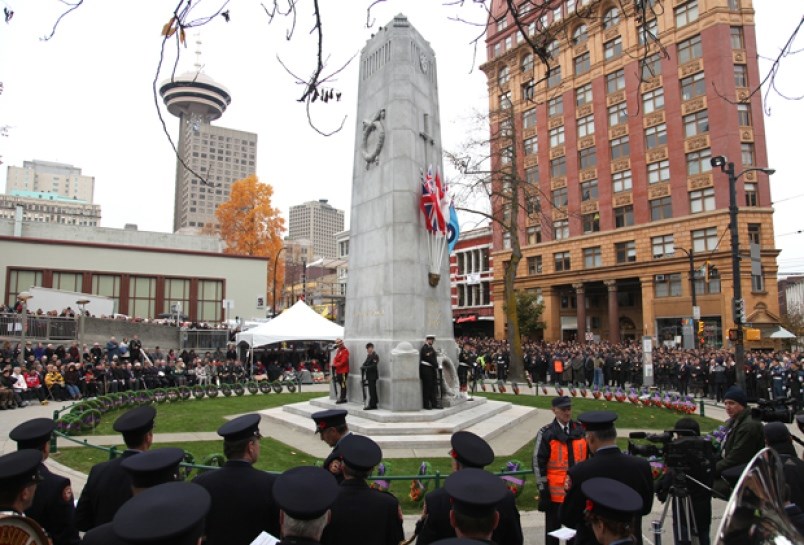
x,y
360,452
597,420
170,513
242,427
329,419
20,468
153,467
305,492
33,433
139,420
471,450
611,499
475,492
562,401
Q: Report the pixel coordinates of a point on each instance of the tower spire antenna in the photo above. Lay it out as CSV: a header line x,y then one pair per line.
x,y
198,43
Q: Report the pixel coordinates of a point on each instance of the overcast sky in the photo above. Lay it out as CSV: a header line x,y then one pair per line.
x,y
85,98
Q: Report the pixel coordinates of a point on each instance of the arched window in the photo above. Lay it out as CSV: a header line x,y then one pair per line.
x,y
552,49
580,35
503,76
611,18
527,63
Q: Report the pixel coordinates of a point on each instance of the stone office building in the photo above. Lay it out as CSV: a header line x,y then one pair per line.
x,y
616,146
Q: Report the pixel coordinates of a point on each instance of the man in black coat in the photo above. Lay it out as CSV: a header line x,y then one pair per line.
x,y
371,374
362,514
428,374
52,506
304,495
332,427
109,485
243,503
607,461
468,451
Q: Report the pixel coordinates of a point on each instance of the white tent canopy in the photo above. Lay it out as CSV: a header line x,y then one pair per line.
x,y
298,323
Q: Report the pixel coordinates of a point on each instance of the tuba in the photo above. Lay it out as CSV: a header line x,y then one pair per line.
x,y
755,513
21,529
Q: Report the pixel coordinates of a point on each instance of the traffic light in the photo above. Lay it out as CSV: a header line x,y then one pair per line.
x,y
739,311
700,327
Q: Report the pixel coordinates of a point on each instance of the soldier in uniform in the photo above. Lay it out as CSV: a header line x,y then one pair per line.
x,y
109,485
53,506
466,362
371,375
468,451
340,365
362,514
428,374
19,478
559,446
146,469
611,510
332,427
304,495
475,495
633,471
168,513
239,491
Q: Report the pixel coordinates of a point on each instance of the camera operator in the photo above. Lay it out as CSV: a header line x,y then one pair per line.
x,y
698,487
744,437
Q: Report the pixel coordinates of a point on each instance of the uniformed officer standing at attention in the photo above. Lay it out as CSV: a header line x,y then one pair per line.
x,y
167,514
609,461
109,485
146,469
475,495
331,425
468,451
361,514
559,446
242,496
53,507
304,495
611,510
428,374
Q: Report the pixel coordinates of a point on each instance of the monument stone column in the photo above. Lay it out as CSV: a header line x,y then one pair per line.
x,y
390,299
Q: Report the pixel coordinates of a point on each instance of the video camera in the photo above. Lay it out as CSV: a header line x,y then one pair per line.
x,y
775,410
681,450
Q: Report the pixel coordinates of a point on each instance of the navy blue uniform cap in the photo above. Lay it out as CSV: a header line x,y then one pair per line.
x,y
611,499
597,420
471,450
33,433
153,467
20,468
170,513
562,401
458,541
305,492
329,419
360,452
475,492
242,427
139,420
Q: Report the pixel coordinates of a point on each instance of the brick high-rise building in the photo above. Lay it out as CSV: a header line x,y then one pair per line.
x,y
616,146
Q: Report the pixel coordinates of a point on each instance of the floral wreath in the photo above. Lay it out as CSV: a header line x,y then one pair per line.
x,y
513,482
418,487
383,469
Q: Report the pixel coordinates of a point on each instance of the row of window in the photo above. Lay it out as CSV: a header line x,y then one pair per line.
x,y
474,295
472,261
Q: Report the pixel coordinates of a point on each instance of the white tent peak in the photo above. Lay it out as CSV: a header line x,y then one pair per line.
x,y
298,323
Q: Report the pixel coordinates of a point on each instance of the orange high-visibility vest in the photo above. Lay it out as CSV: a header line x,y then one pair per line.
x,y
558,465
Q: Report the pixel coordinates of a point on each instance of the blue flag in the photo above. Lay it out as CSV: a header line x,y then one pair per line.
x,y
453,229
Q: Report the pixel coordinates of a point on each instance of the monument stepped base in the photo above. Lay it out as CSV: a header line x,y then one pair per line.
x,y
411,433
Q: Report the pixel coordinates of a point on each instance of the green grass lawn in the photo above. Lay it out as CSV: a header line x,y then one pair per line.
x,y
208,414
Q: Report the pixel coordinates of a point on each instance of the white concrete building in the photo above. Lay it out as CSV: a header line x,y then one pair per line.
x,y
49,177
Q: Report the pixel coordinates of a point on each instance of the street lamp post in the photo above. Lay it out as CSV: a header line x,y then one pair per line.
x,y
24,297
273,298
691,255
737,302
83,304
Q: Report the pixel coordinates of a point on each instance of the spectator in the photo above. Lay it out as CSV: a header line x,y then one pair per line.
x,y
54,382
744,437
34,384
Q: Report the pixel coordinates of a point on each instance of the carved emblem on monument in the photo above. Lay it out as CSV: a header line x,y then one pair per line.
x,y
373,138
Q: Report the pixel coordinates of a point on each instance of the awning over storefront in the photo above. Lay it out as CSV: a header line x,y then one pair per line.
x,y
781,333
464,319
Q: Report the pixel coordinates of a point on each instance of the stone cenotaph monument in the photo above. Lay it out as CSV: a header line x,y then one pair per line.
x,y
399,285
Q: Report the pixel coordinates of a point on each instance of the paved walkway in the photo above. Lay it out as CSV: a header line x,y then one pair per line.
x,y
532,521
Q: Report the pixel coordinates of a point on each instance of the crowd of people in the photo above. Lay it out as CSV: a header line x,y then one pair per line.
x,y
704,372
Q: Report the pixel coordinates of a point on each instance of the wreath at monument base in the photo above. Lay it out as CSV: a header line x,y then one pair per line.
x,y
419,487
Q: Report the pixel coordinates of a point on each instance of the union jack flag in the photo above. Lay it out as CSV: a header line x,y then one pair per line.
x,y
430,204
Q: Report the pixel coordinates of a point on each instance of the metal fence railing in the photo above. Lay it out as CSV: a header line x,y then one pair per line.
x,y
38,327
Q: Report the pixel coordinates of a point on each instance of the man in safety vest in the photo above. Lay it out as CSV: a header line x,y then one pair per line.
x,y
559,445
